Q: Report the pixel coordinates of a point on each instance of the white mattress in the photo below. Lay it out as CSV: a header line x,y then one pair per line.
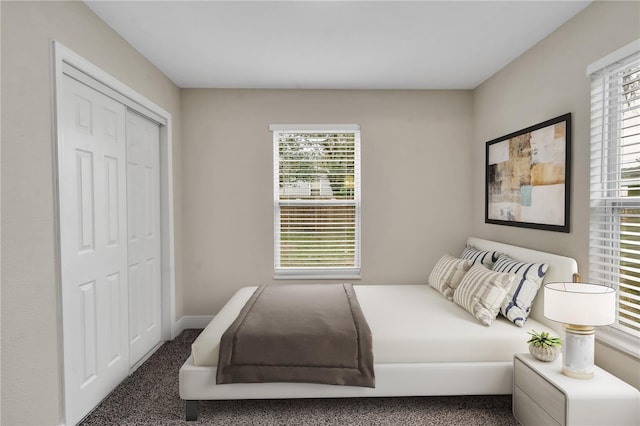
x,y
409,323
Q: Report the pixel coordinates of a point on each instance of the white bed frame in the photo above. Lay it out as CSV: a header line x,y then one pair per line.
x,y
407,379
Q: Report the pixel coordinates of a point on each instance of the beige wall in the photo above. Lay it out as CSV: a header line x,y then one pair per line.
x,y
545,82
415,182
31,363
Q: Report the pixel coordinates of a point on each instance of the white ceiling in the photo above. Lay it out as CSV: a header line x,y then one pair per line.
x,y
333,44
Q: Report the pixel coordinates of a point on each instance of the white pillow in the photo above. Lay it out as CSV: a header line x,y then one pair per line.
x,y
447,274
480,257
525,286
482,291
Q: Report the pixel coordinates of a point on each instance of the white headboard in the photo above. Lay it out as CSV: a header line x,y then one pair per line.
x,y
561,268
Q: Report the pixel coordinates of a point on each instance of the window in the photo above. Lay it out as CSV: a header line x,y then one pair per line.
x,y
316,201
614,253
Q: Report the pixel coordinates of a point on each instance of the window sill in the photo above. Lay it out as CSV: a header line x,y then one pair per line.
x,y
619,340
317,275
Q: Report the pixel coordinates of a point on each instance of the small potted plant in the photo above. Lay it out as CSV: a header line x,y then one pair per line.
x,y
544,347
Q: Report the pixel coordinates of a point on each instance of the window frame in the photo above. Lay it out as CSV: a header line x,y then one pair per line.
x,y
284,273
609,206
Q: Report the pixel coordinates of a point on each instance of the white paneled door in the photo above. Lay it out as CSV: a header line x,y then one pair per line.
x,y
93,234
143,192
108,170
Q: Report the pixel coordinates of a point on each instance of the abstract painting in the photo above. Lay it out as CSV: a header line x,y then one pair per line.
x,y
527,177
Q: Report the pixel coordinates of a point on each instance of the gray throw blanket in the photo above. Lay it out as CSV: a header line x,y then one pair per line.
x,y
313,333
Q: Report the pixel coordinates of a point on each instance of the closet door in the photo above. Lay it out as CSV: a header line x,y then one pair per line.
x,y
143,200
93,246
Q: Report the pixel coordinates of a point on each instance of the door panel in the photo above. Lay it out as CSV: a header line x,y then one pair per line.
x,y
143,195
93,256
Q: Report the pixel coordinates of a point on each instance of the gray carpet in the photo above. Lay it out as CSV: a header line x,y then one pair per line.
x,y
150,397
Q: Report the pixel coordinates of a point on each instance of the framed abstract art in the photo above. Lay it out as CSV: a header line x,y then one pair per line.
x,y
528,177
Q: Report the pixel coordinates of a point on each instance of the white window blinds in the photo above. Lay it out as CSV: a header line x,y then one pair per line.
x,y
614,254
316,201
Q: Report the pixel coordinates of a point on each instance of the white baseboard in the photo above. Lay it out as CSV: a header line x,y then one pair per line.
x,y
191,321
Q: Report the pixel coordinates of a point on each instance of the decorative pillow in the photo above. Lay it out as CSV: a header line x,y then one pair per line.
x,y
528,278
447,274
480,257
482,292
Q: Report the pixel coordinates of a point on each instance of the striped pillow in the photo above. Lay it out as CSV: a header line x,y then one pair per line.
x,y
447,274
480,257
527,282
482,292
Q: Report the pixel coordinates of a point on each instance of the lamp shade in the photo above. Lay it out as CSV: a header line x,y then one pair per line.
x,y
580,303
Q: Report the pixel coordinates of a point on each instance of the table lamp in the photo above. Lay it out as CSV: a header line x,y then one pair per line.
x,y
581,307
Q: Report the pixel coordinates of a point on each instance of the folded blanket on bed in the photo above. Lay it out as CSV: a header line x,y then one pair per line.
x,y
314,333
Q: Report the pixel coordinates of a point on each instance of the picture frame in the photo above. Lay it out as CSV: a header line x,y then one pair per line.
x,y
527,177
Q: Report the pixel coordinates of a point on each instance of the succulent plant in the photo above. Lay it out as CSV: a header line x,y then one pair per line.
x,y
544,340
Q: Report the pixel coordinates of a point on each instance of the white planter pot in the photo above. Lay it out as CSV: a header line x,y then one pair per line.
x,y
546,354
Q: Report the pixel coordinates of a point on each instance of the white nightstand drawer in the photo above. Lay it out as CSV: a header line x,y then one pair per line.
x,y
527,412
547,397
543,395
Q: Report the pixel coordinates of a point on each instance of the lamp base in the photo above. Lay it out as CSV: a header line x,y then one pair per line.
x,y
578,351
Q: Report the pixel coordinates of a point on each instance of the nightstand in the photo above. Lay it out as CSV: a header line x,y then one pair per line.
x,y
542,395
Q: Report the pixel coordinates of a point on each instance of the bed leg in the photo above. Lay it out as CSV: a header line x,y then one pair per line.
x,y
191,410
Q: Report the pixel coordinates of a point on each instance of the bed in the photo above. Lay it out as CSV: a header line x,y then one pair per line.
x,y
423,344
